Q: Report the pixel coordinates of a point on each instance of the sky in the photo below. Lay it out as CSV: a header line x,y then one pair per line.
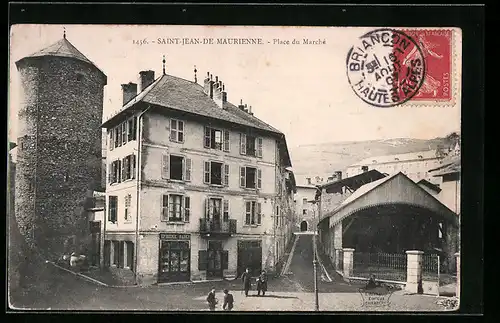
x,y
300,89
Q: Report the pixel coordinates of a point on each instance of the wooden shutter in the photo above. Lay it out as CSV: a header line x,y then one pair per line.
x,y
133,168
119,134
206,139
202,260
259,147
259,212
225,259
111,140
207,208
110,172
259,178
243,179
243,144
206,172
119,170
226,175
124,169
164,166
164,207
225,210
124,132
187,169
248,212
226,140
187,208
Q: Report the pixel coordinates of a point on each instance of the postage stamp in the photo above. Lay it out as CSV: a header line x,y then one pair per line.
x,y
390,67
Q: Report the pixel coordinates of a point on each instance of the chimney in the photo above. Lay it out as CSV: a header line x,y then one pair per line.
x,y
241,106
250,110
308,180
129,92
218,93
146,77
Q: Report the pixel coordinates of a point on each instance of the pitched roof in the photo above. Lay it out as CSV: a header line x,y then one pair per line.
x,y
451,166
62,48
426,154
365,189
430,185
180,94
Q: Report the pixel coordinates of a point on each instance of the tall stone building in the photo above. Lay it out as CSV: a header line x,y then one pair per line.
x,y
59,145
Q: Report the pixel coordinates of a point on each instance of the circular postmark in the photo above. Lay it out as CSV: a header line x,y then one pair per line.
x,y
385,68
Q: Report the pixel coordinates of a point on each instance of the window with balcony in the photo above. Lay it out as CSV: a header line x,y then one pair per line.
x,y
253,214
216,139
250,145
250,177
177,168
176,208
176,130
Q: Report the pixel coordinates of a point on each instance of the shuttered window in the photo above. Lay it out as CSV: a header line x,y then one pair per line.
x,y
243,144
164,166
259,147
226,175
225,211
226,141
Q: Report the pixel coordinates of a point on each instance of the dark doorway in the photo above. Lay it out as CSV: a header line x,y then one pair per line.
x,y
214,266
249,256
303,226
174,261
95,245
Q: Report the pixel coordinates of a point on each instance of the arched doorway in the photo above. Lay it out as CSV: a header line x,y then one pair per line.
x,y
303,226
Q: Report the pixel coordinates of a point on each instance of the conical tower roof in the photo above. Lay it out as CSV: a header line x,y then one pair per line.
x,y
62,48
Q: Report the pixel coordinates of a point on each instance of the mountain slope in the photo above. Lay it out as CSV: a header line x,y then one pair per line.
x,y
324,159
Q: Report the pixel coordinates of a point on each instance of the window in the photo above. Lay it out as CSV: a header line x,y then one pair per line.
x,y
253,213
124,133
116,253
128,201
79,77
216,173
250,177
250,145
176,130
113,209
216,139
277,215
176,168
115,171
128,167
132,129
364,168
304,201
213,209
176,208
304,212
111,139
66,176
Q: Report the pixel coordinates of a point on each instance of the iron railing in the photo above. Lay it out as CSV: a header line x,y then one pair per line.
x,y
382,265
208,226
436,268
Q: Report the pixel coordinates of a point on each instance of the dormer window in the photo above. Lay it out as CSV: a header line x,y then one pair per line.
x,y
420,156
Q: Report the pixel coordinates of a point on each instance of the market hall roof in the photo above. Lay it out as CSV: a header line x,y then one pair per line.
x,y
353,182
396,189
449,166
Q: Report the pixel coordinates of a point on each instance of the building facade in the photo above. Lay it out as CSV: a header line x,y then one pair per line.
x,y
305,209
59,145
414,165
197,187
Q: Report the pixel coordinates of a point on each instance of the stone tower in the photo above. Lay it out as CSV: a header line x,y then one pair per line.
x,y
59,145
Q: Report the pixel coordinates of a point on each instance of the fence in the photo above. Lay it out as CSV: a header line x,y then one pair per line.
x,y
381,265
436,269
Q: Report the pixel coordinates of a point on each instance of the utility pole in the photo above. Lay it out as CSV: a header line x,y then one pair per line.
x,y
315,260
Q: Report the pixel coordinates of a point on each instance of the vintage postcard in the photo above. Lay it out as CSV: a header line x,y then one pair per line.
x,y
234,168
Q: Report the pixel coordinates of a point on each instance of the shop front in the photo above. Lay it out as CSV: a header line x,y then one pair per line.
x,y
175,255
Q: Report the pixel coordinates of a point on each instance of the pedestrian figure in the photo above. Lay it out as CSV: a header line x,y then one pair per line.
x,y
228,301
247,282
211,299
371,283
262,284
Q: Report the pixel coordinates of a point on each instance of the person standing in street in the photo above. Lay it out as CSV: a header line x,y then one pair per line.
x,y
247,281
228,301
262,284
211,299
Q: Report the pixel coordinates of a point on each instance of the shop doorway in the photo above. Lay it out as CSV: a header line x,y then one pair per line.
x,y
249,256
174,264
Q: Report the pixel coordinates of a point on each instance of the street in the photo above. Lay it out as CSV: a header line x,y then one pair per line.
x,y
61,290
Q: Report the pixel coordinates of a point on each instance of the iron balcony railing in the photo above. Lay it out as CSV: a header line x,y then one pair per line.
x,y
208,226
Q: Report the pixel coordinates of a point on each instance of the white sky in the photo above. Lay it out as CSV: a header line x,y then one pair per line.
x,y
301,90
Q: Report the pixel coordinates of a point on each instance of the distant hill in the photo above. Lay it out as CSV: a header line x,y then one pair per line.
x,y
326,158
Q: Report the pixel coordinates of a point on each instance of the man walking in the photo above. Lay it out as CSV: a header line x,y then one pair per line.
x,y
211,299
228,301
247,281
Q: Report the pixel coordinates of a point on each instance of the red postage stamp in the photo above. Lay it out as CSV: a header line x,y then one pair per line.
x,y
436,48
